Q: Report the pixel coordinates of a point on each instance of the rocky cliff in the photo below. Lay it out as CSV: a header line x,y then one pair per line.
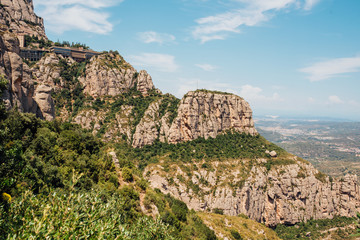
x,y
285,194
19,17
207,114
21,86
24,92
110,75
109,97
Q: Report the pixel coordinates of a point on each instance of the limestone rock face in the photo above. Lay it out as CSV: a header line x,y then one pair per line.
x,y
207,114
25,91
151,127
21,85
146,131
45,102
110,75
47,71
284,195
19,16
144,82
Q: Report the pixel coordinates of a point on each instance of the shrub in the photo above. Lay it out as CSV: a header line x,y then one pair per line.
x,y
68,214
218,211
127,174
235,234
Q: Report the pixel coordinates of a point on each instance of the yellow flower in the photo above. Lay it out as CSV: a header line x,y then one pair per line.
x,y
6,197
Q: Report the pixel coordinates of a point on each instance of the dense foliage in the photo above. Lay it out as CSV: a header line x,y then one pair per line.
x,y
70,95
175,213
138,103
74,215
224,146
43,43
57,180
72,44
35,154
318,229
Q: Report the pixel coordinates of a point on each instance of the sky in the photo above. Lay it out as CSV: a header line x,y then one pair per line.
x,y
292,58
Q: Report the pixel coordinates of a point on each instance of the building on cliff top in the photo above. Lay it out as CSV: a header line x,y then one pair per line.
x,y
78,54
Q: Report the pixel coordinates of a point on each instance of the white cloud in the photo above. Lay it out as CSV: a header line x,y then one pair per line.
x,y
311,100
160,62
154,37
83,15
206,67
255,94
335,100
252,13
332,68
309,4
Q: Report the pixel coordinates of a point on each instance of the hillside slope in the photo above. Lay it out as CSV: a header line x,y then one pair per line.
x,y
202,149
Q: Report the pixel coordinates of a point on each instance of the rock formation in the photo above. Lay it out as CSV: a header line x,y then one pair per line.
x,y
19,17
207,114
110,75
287,193
284,195
21,86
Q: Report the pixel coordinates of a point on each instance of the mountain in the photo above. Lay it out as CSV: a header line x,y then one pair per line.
x,y
203,149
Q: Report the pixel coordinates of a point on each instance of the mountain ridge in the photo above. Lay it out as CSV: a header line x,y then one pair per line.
x,y
107,96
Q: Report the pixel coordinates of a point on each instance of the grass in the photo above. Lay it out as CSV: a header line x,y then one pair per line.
x,y
336,228
246,228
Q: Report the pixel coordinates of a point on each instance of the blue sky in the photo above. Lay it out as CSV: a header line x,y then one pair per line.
x,y
285,57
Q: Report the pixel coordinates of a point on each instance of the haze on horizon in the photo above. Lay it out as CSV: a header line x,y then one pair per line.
x,y
286,57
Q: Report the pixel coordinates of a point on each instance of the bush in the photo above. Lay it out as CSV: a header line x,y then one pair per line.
x,y
67,215
127,175
235,234
218,211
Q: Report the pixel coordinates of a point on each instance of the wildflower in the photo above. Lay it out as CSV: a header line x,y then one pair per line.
x,y
6,197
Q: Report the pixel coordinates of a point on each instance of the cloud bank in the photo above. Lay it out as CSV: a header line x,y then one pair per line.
x,y
155,37
332,68
84,15
160,62
250,13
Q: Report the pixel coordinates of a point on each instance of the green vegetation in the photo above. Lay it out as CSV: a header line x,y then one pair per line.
x,y
213,91
127,175
138,104
218,211
73,45
318,229
175,213
57,180
232,145
3,87
235,228
35,154
235,234
29,40
69,214
71,94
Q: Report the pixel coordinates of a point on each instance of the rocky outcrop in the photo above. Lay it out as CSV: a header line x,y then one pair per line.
x,y
19,17
21,86
25,92
110,75
45,102
284,195
207,114
151,127
47,71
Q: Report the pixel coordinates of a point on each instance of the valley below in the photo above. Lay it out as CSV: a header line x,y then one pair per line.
x,y
332,146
